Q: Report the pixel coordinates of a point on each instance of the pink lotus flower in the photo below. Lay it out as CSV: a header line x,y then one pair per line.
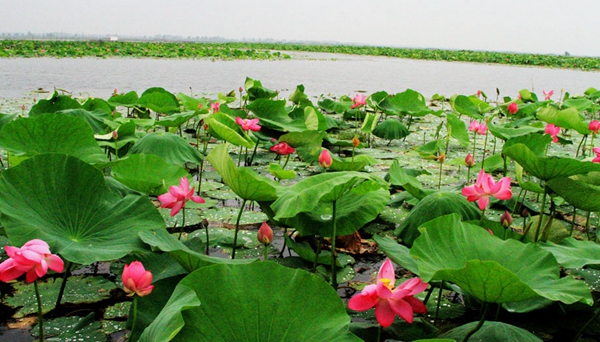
x,y
478,128
469,160
548,95
513,108
265,234
594,126
389,302
178,195
33,259
215,106
359,100
325,159
553,131
282,148
136,280
248,124
484,187
597,151
478,93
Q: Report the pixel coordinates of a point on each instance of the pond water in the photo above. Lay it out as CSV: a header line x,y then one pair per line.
x,y
319,73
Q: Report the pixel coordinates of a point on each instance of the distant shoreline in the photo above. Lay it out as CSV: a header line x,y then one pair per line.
x,y
246,50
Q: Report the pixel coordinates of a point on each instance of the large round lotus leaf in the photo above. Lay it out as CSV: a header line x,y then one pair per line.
x,y
391,129
148,173
572,253
491,332
273,114
432,206
52,133
170,147
66,202
354,209
224,127
262,301
572,190
159,100
53,105
489,268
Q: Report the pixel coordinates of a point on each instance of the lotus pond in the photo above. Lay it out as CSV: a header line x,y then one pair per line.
x,y
486,205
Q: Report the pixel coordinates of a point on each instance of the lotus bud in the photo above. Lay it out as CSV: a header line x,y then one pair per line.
x,y
355,142
506,219
441,157
594,126
513,108
525,213
265,234
241,89
469,160
115,135
325,159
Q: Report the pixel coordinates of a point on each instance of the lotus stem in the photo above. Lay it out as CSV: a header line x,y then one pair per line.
x,y
379,333
287,159
333,251
61,291
541,217
135,299
587,324
592,141
182,223
440,175
439,303
587,225
468,175
484,150
474,143
237,228
266,253
579,146
318,252
240,157
40,314
201,167
486,306
253,153
574,220
482,216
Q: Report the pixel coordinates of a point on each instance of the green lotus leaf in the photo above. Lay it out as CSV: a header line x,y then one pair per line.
x,y
370,122
298,95
458,130
193,104
491,269
391,129
467,106
355,208
407,179
224,127
172,148
272,114
245,182
492,332
6,118
338,107
198,310
536,142
126,100
432,206
158,100
314,120
309,138
148,173
578,193
52,133
66,202
548,167
255,90
408,102
277,171
506,133
347,164
54,104
305,195
189,259
581,104
569,118
96,119
398,253
572,253
100,105
177,119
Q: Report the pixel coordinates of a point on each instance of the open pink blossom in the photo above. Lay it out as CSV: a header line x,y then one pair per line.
x,y
248,124
513,108
136,280
548,95
553,131
594,126
389,301
597,151
178,196
359,100
478,128
215,106
33,259
282,148
484,187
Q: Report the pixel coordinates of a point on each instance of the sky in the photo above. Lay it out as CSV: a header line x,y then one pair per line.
x,y
528,26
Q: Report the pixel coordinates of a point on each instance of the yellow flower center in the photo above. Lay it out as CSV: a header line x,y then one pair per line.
x,y
387,283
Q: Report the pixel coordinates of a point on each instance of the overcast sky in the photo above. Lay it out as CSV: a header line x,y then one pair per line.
x,y
533,26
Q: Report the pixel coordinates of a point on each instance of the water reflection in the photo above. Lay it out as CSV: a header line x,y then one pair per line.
x,y
320,74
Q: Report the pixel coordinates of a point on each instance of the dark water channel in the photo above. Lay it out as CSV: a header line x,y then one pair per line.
x,y
320,74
